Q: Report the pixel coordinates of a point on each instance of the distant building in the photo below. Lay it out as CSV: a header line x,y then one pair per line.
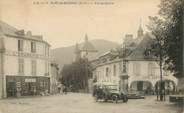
x,y
140,32
85,50
24,63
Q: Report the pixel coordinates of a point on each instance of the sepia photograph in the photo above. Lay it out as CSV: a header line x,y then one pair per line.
x,y
91,56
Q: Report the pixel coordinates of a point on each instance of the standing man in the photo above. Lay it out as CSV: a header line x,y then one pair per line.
x,y
59,88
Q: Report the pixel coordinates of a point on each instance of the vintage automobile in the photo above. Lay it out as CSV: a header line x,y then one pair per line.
x,y
109,93
135,95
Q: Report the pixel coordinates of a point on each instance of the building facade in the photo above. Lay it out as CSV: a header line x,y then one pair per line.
x,y
24,63
54,80
133,67
109,69
144,69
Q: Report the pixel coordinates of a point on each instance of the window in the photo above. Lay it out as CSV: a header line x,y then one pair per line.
x,y
34,66
46,68
107,72
41,84
21,66
20,45
124,67
46,50
114,70
33,47
136,68
151,70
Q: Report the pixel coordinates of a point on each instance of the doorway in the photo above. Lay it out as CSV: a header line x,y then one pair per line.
x,y
11,89
140,85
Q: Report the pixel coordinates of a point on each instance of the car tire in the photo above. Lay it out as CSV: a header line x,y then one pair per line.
x,y
125,99
115,98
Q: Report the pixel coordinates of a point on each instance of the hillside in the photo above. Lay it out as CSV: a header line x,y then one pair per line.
x,y
65,55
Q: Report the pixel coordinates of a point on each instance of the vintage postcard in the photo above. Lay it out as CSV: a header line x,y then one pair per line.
x,y
91,56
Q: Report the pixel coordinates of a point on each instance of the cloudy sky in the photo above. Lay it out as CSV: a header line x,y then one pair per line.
x,y
64,25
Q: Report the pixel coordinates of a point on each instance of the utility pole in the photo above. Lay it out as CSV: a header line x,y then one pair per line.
x,y
183,39
161,81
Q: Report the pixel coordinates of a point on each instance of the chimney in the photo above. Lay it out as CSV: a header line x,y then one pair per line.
x,y
128,36
20,32
128,39
29,33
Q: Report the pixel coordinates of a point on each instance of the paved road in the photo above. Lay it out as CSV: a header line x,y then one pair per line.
x,y
83,103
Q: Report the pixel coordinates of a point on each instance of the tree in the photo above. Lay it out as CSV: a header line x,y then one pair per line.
x,y
168,31
158,45
76,75
167,28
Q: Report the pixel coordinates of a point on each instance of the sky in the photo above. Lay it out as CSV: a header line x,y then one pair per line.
x,y
64,25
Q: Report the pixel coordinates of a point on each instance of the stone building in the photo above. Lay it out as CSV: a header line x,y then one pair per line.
x,y
132,67
24,63
109,69
144,70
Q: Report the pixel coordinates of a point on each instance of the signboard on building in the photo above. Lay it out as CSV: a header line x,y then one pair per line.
x,y
18,84
30,80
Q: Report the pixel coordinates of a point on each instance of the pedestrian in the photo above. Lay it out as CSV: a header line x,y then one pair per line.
x,y
64,89
94,91
59,88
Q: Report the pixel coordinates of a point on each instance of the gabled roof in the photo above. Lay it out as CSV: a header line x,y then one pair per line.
x,y
11,31
7,29
139,52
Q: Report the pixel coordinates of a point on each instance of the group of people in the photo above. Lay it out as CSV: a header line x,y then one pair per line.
x,y
62,89
100,92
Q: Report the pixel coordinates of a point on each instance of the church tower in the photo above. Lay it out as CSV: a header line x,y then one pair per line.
x,y
140,31
87,48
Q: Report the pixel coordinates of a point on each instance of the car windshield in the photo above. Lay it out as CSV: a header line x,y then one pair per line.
x,y
112,87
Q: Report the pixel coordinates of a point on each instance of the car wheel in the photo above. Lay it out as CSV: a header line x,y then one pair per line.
x,y
115,98
125,99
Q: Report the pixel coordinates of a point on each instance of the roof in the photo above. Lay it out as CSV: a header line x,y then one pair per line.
x,y
7,29
112,52
77,50
88,46
11,31
139,52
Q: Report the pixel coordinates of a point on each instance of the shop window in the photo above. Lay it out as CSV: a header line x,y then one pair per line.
x,y
33,47
41,84
20,45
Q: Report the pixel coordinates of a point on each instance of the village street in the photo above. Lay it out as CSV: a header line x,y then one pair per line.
x,y
84,103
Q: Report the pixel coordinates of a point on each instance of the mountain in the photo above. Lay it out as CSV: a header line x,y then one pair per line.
x,y
65,55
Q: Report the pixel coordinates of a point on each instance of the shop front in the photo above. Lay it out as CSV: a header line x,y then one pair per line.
x,y
17,86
